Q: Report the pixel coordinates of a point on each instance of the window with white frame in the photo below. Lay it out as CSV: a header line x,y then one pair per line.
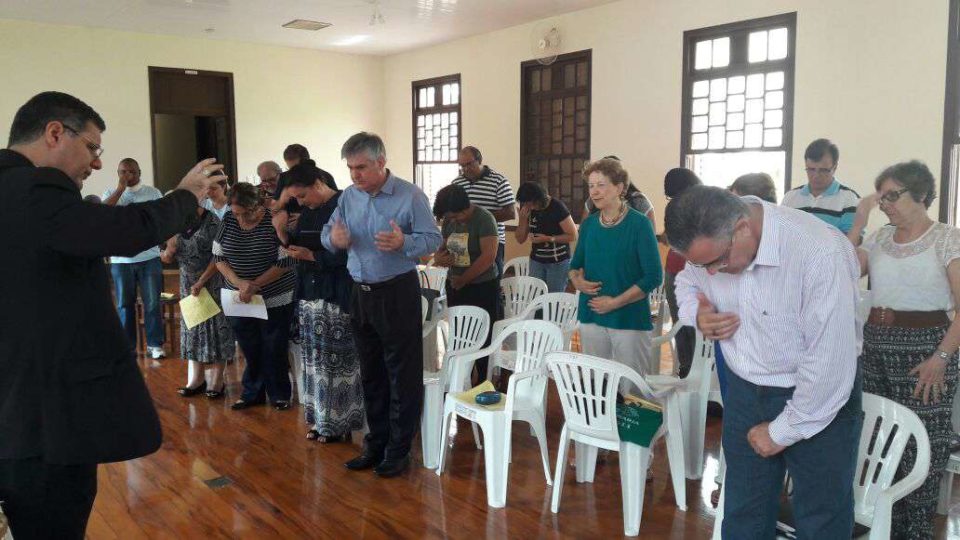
x,y
436,132
737,114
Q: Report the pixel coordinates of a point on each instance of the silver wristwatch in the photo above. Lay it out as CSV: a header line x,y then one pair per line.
x,y
943,354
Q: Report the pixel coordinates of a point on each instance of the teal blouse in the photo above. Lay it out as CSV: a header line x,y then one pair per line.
x,y
619,257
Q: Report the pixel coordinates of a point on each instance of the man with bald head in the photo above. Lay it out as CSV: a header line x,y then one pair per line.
x,y
489,190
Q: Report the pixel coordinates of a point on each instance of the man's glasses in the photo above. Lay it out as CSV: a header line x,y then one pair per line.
x,y
720,262
94,148
822,171
891,197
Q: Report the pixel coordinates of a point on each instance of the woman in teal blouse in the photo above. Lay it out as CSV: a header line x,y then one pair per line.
x,y
615,266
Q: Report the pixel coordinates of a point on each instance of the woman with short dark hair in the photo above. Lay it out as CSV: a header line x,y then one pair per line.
x,y
469,249
909,342
548,224
250,257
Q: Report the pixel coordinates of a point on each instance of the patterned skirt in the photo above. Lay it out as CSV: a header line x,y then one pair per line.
x,y
210,342
333,397
889,353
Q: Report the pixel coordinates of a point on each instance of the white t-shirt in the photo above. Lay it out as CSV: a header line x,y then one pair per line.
x,y
912,276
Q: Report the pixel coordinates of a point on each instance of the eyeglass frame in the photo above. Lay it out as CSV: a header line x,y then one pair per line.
x,y
723,260
94,148
821,170
891,197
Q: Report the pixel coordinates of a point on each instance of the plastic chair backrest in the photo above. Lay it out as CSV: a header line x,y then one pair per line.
x,y
518,292
424,308
588,392
520,266
703,366
433,277
469,326
534,340
887,426
560,308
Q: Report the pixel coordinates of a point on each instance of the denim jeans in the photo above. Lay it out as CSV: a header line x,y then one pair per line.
x,y
148,277
822,467
554,274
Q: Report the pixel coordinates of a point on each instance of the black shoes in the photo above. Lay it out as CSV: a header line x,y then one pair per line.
x,y
281,405
364,461
389,468
186,391
241,404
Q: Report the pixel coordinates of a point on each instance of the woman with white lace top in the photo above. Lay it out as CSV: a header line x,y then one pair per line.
x,y
909,343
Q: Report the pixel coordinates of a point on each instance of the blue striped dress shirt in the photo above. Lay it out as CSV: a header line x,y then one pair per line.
x,y
798,321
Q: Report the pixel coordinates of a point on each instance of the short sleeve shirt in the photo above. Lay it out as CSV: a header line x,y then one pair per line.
x,y
463,241
547,221
491,192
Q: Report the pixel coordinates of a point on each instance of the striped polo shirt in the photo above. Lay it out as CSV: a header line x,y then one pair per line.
x,y
836,206
491,192
252,252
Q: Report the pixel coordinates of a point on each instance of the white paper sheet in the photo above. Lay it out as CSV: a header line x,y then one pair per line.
x,y
233,307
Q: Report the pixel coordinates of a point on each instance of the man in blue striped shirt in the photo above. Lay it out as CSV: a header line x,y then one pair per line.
x,y
823,195
777,289
385,224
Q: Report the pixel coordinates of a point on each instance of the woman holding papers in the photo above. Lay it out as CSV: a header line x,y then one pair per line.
x,y
333,393
257,269
208,345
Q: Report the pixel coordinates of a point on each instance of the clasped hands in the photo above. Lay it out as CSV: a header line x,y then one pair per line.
x,y
599,304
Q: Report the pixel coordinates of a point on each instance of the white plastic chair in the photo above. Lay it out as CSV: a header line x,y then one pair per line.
x,y
468,332
588,392
523,401
520,266
518,292
659,315
874,488
693,393
946,483
558,308
433,277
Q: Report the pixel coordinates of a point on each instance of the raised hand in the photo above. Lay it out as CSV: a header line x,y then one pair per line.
x,y
201,177
340,235
389,241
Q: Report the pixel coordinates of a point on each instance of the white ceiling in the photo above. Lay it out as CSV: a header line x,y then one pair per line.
x,y
409,24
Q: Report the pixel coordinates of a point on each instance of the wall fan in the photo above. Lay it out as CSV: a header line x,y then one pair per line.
x,y
545,43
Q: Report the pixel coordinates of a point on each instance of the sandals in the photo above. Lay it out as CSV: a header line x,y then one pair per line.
x,y
314,435
216,394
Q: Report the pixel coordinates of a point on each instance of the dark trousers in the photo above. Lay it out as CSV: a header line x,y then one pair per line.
x,y
686,337
45,501
485,295
822,467
264,344
388,333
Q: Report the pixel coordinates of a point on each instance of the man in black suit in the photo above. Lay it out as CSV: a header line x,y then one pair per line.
x,y
71,393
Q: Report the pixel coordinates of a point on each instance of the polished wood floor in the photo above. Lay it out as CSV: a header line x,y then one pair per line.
x,y
251,474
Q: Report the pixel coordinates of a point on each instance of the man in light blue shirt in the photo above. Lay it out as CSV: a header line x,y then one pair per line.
x,y
143,271
385,224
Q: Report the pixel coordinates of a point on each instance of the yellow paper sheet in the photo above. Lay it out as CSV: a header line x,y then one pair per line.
x,y
196,309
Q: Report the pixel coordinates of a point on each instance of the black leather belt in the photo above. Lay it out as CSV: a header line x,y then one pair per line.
x,y
368,287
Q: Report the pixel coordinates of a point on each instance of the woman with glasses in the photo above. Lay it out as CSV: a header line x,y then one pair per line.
x,y
615,266
546,221
250,257
909,343
216,200
209,345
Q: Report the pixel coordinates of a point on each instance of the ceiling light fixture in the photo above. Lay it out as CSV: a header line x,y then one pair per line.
x,y
305,24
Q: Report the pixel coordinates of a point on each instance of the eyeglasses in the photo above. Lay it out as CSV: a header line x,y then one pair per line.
x,y
891,197
467,164
94,148
720,262
822,171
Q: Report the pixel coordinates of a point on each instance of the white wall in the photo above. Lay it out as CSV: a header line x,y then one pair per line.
x,y
869,76
282,95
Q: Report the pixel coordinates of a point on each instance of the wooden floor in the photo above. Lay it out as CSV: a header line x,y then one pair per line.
x,y
251,474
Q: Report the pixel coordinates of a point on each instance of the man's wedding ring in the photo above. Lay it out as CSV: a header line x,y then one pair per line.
x,y
206,172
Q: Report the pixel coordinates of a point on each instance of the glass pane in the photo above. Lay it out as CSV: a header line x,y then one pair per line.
x,y
772,137
428,134
436,120
546,76
755,85
718,90
718,137
420,120
698,142
445,121
453,146
534,80
444,154
445,138
773,119
753,136
569,75
421,156
582,74
701,89
429,121
734,139
758,48
735,121
422,98
754,111
420,133
436,155
700,106
735,103
721,52
453,118
454,130
718,113
778,44
775,80
431,96
446,94
774,100
455,93
736,85
699,124
421,144
704,55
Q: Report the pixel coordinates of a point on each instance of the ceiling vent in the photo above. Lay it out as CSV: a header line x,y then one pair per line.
x,y
304,24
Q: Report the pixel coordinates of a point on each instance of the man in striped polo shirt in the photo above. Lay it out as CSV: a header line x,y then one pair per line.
x,y
824,196
489,190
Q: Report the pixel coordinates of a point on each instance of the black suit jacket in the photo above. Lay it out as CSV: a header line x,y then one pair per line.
x,y
70,388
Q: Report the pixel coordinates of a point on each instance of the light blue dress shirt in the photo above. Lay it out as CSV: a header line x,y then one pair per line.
x,y
366,215
144,193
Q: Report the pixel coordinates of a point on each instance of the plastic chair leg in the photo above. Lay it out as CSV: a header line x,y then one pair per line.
x,y
496,433
675,454
476,436
448,416
540,432
634,461
586,460
430,435
560,470
694,420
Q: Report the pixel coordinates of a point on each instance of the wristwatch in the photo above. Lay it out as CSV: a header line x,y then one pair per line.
x,y
943,354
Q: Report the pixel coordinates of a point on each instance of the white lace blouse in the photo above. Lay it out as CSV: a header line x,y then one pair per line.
x,y
912,276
